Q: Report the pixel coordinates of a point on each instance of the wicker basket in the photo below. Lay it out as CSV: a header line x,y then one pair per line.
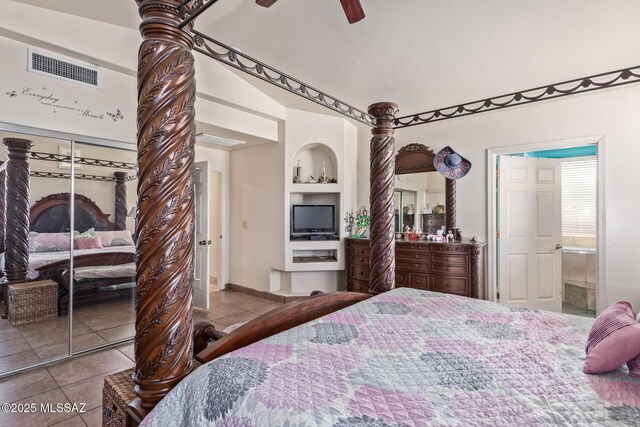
x,y
118,392
32,301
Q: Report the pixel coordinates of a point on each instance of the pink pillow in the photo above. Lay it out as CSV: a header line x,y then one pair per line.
x,y
49,242
614,339
89,243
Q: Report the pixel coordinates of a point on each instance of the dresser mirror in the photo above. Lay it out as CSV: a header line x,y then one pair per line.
x,y
423,198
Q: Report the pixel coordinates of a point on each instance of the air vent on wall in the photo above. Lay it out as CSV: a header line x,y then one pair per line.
x,y
64,69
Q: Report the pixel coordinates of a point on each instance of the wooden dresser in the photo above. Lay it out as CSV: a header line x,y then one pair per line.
x,y
455,268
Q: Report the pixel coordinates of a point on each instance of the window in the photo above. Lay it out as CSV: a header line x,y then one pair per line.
x,y
579,192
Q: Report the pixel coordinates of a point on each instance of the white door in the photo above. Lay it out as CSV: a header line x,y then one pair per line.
x,y
201,259
530,219
215,227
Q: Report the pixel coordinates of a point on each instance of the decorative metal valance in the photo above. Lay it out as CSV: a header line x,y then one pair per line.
x,y
238,60
556,90
82,160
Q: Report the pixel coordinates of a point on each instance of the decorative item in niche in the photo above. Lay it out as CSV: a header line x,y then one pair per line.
x,y
296,176
48,99
357,222
66,151
451,164
323,177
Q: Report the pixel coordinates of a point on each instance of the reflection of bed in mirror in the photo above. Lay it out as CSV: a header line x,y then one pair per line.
x,y
37,238
105,270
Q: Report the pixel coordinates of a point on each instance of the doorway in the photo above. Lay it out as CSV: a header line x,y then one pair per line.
x,y
546,215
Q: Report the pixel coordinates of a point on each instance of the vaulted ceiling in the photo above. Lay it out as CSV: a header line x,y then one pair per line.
x,y
421,54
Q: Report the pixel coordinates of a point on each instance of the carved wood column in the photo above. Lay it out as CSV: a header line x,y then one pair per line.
x,y
165,243
382,234
3,204
121,200
450,200
16,262
475,271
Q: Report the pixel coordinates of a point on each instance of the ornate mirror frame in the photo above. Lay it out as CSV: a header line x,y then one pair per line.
x,y
414,158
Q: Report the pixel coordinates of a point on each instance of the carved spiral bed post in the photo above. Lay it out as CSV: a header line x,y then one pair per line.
x,y
382,238
17,214
165,244
121,200
3,204
450,196
16,238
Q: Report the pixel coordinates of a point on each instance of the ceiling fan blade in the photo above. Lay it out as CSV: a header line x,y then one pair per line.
x,y
265,3
353,10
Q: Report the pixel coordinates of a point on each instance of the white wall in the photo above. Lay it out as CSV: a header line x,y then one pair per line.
x,y
612,112
53,112
257,198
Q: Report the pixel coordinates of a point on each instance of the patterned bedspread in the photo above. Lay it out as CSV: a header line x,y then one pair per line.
x,y
409,358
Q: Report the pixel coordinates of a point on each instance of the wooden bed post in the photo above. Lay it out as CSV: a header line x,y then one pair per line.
x,y
121,200
16,261
3,205
450,196
165,243
382,238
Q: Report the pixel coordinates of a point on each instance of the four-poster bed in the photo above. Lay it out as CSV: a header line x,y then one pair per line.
x,y
164,346
38,237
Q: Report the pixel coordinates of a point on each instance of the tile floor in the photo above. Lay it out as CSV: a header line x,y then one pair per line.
x,y
572,309
80,380
93,325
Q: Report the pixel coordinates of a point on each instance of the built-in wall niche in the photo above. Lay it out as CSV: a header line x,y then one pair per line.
x,y
315,255
310,162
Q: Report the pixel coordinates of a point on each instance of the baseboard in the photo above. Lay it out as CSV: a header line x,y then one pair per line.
x,y
283,299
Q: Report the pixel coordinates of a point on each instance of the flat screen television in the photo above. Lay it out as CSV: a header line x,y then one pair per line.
x,y
312,219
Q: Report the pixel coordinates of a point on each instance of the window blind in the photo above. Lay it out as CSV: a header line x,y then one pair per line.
x,y
579,190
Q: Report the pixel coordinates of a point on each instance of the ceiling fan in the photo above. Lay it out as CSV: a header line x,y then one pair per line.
x,y
352,8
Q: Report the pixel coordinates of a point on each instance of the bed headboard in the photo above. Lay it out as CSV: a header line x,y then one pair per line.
x,y
51,214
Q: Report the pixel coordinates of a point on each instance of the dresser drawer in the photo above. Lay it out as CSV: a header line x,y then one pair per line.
x,y
450,285
450,259
360,273
420,281
415,256
402,279
359,286
360,260
360,249
459,269
418,267
433,221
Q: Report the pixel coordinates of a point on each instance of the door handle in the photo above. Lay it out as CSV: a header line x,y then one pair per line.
x,y
558,246
202,242
208,242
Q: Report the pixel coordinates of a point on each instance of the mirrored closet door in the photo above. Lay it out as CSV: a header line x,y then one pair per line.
x,y
104,250
67,251
35,248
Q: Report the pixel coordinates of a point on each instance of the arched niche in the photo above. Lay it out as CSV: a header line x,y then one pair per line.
x,y
311,158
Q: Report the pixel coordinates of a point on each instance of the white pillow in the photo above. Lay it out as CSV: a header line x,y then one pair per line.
x,y
89,233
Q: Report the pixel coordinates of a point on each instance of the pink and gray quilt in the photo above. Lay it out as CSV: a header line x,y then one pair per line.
x,y
409,358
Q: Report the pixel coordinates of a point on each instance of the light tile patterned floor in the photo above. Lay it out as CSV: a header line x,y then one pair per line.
x,y
80,380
